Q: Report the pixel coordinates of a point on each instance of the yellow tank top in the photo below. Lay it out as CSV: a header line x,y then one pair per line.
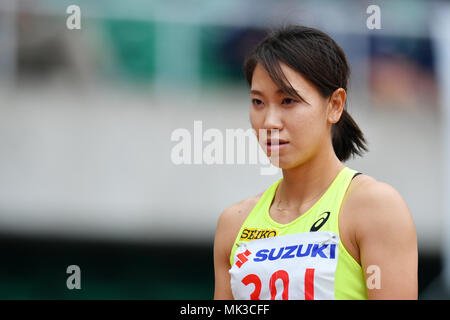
x,y
303,259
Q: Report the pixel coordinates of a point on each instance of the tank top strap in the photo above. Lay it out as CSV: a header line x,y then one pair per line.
x,y
257,214
263,204
335,197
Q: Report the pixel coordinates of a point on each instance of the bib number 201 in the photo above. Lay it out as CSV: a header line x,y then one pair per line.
x,y
284,277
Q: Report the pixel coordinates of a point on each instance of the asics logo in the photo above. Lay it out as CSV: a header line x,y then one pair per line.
x,y
321,221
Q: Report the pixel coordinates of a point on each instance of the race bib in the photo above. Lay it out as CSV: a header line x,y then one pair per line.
x,y
299,266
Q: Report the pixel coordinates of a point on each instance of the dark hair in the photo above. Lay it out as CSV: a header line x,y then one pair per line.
x,y
319,59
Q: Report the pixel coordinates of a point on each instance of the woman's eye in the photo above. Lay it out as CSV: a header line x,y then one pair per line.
x,y
288,101
256,102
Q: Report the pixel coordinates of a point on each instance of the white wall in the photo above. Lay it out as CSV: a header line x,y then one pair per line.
x,y
97,163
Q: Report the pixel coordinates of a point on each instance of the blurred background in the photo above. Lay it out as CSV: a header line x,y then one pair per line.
x,y
86,117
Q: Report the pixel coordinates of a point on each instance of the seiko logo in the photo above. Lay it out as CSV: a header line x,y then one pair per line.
x,y
252,234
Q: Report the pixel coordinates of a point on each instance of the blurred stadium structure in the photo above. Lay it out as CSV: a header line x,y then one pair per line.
x,y
87,115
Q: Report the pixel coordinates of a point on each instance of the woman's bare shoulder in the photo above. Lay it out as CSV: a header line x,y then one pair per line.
x,y
230,222
368,199
358,185
365,190
239,211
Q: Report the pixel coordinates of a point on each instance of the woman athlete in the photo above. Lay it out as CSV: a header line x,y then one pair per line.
x,y
324,230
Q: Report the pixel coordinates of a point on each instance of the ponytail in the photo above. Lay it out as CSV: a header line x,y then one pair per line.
x,y
347,138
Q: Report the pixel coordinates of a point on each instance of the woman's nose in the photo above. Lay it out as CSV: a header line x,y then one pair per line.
x,y
272,119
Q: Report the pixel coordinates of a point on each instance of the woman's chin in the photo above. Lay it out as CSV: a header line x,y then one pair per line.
x,y
280,163
284,163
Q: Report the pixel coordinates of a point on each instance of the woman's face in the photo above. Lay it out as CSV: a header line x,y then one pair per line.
x,y
304,125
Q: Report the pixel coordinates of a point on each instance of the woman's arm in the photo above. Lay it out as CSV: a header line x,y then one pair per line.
x,y
228,226
387,241
222,288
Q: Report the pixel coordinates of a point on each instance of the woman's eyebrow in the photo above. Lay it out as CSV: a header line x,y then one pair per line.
x,y
260,93
254,91
279,91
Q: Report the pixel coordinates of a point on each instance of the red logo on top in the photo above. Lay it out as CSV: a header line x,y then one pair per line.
x,y
242,258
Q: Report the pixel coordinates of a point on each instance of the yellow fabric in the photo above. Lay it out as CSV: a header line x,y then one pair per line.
x,y
349,276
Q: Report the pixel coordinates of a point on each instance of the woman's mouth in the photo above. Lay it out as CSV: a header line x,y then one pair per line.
x,y
276,144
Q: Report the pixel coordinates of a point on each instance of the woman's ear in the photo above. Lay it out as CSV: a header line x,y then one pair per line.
x,y
336,105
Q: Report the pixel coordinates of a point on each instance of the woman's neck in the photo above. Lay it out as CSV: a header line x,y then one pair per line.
x,y
306,183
